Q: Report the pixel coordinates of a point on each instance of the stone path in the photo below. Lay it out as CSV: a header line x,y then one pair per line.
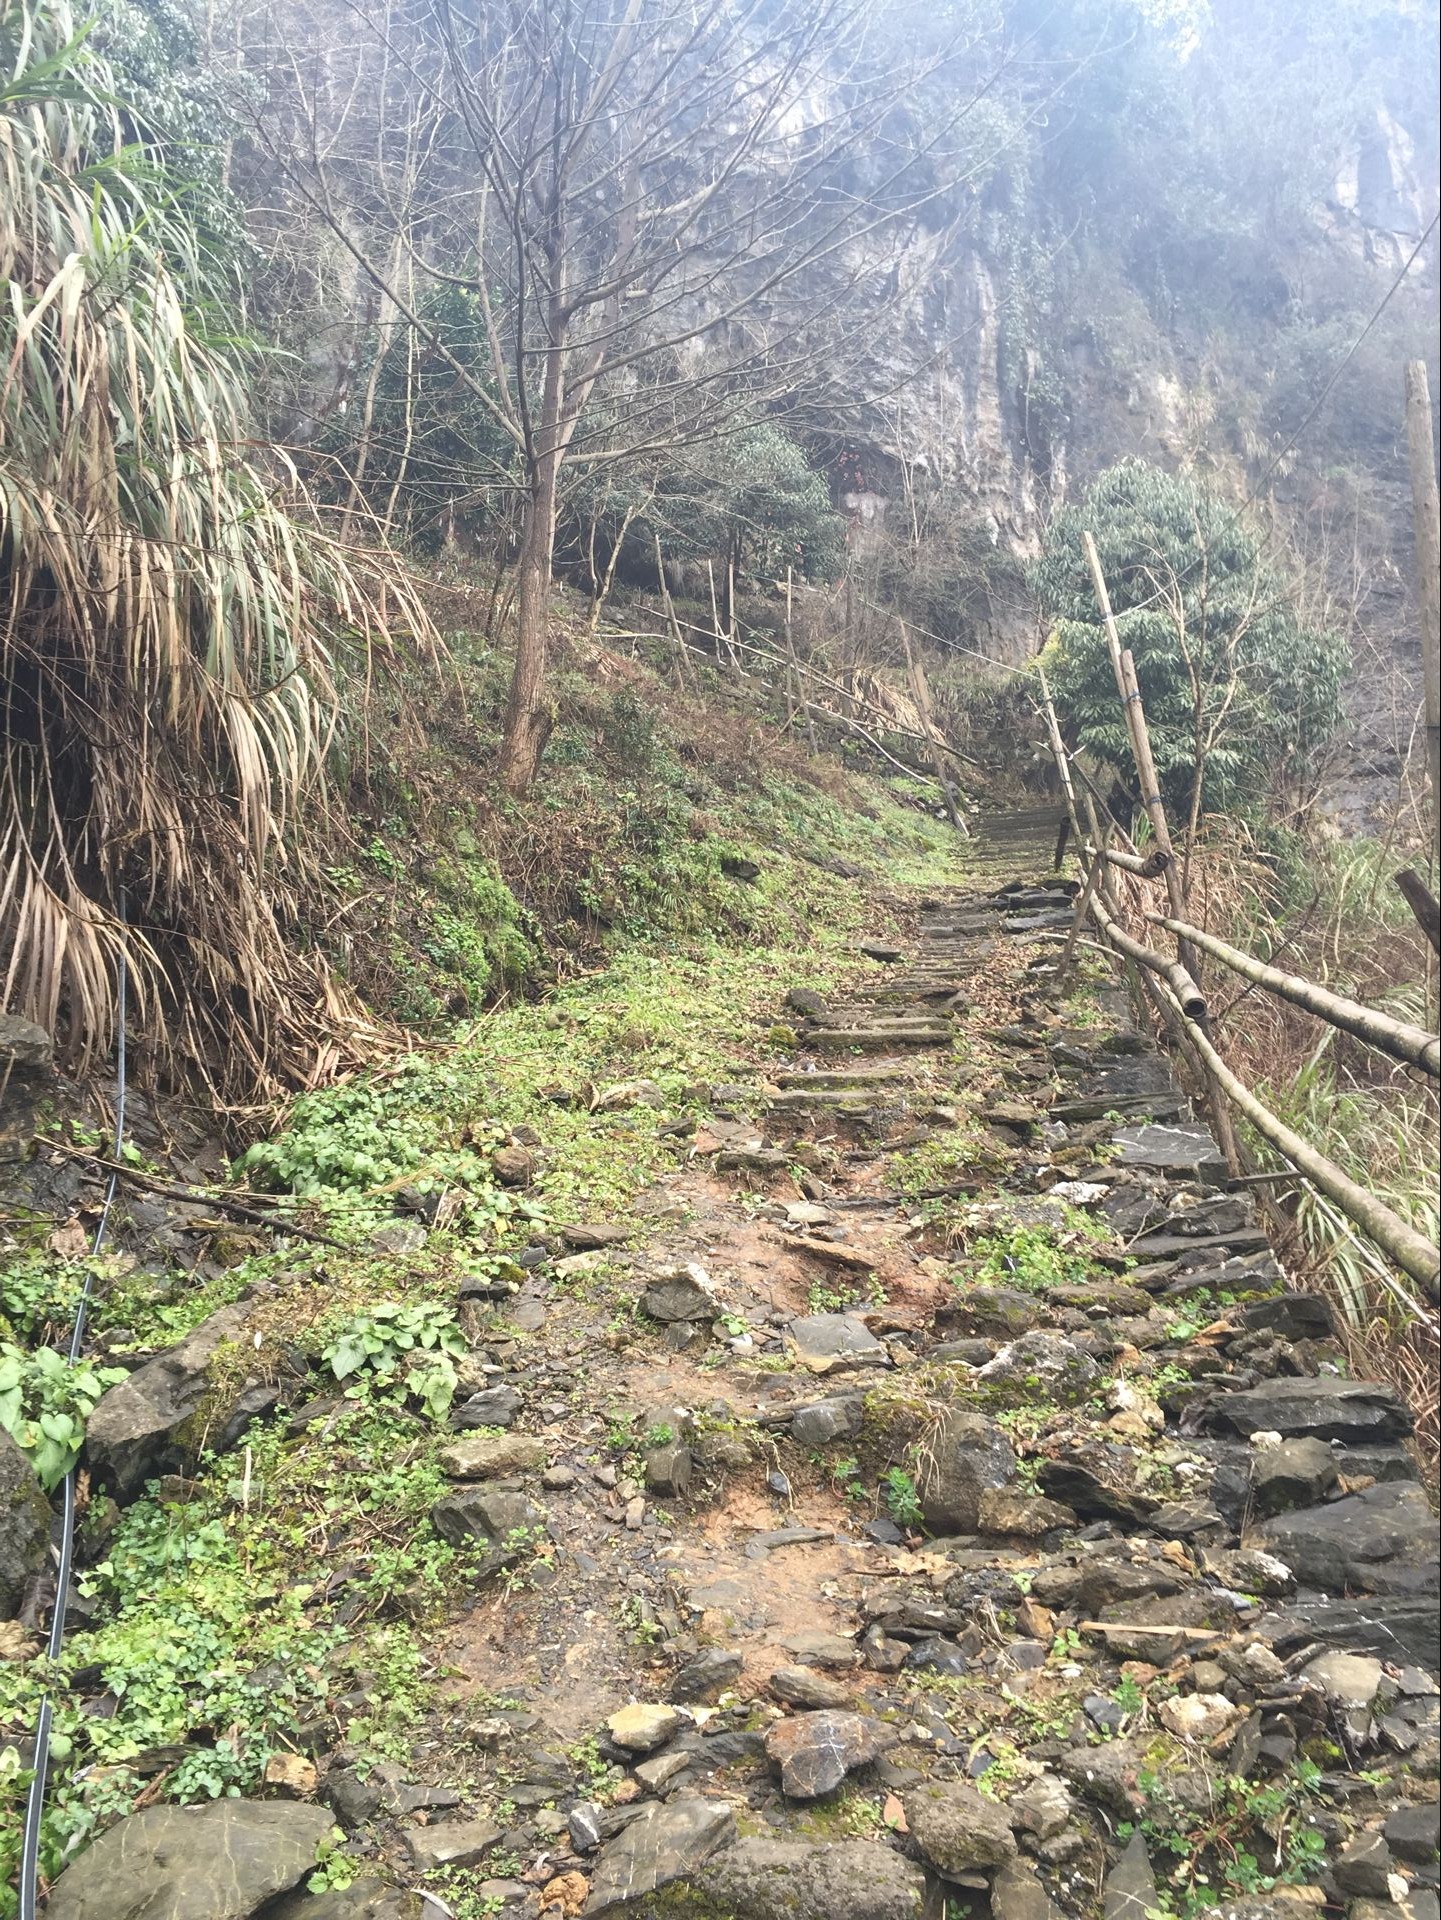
x,y
944,1506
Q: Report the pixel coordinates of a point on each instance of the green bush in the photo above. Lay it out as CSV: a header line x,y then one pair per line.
x,y
1240,696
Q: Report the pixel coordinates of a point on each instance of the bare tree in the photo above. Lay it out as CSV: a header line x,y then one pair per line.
x,y
627,188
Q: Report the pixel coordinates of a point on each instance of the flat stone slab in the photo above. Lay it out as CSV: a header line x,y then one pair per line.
x,y
1172,1149
1326,1408
668,1842
218,1862
828,1342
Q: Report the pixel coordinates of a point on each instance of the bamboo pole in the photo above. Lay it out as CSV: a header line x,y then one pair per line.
x,y
1149,867
795,669
1396,1237
1413,1046
1423,903
1175,975
1427,511
1124,667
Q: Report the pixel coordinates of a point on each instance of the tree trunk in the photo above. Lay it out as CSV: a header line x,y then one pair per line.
x,y
528,719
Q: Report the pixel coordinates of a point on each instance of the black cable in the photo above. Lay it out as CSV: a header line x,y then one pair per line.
x,y
35,1799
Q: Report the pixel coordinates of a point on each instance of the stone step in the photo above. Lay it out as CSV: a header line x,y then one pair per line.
x,y
834,1077
877,1039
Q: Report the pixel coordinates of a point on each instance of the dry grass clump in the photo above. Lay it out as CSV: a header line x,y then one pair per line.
x,y
171,610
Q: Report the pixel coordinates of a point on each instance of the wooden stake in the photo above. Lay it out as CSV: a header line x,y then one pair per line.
x,y
1427,512
1423,903
921,695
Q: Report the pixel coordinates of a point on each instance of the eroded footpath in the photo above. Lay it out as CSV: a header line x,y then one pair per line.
x,y
930,1499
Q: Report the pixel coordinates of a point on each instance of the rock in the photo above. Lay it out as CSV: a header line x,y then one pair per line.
x,y
970,1456
1098,1477
1391,1629
879,950
494,1407
1044,1367
1106,1775
1131,1885
838,1418
657,1773
996,1313
1295,1474
805,1687
709,1674
291,1774
353,1799
764,1879
492,1456
1380,1541
1414,1833
681,1294
364,1900
216,1862
668,1842
829,1342
156,1420
1364,1867
593,1237
487,1514
668,1470
1294,1316
451,1843
24,1524
1016,1894
641,1727
1325,1408
557,1479
1346,1679
816,1648
1420,1904
956,1829
805,1000
815,1751
1024,1516
513,1166
1202,1717
1044,1807
1172,1150
25,1049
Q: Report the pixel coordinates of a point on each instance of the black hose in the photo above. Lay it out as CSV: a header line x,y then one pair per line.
x,y
35,1799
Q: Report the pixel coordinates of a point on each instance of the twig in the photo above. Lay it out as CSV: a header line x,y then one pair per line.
x,y
172,1192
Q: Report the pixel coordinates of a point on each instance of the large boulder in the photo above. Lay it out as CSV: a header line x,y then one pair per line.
x,y
24,1525
1326,1408
1380,1541
165,1413
668,1842
969,1457
764,1879
221,1862
956,1829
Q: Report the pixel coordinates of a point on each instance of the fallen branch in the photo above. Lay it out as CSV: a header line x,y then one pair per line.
x,y
239,1209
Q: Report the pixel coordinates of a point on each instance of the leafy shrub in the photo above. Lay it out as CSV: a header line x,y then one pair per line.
x,y
408,1349
44,1404
1239,696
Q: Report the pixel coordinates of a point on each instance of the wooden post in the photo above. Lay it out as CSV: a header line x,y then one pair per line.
x,y
1423,903
921,695
1427,512
682,672
795,670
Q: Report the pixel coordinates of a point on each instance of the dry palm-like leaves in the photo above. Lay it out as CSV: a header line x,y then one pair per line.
x,y
169,609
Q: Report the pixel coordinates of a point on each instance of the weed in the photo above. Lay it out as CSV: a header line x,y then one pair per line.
x,y
44,1404
902,1497
410,1351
